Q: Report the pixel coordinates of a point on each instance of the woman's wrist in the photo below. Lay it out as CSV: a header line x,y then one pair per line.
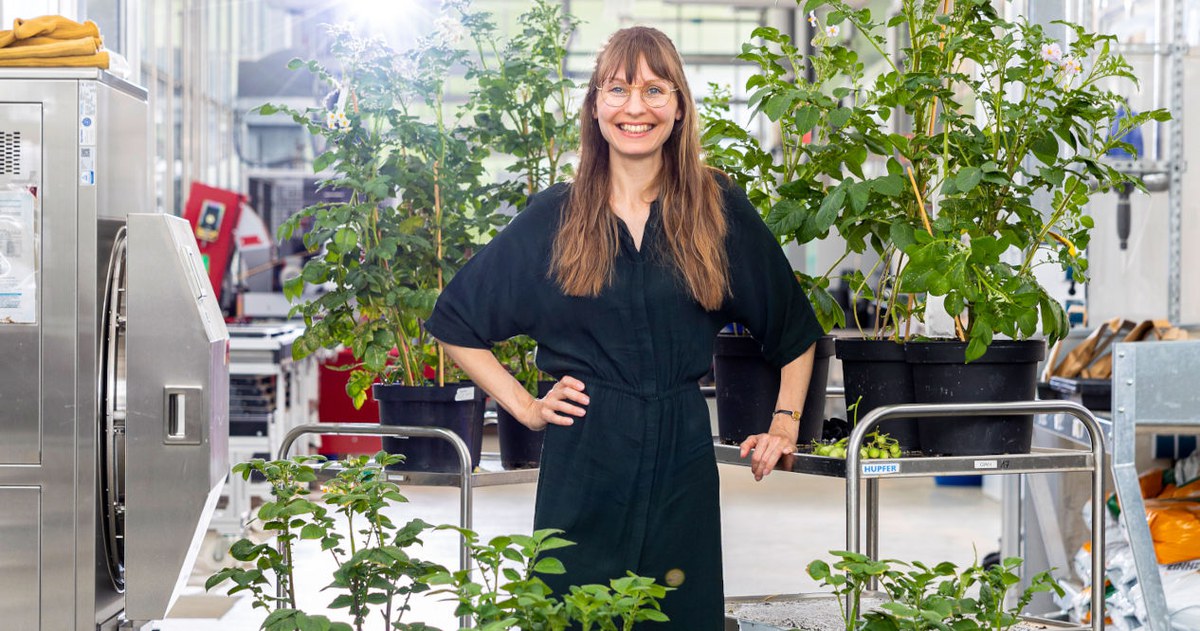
x,y
782,425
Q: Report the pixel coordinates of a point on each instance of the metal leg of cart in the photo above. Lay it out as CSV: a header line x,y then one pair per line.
x,y
855,472
464,462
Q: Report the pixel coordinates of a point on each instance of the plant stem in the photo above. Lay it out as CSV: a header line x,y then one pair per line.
x,y
883,274
1049,224
895,294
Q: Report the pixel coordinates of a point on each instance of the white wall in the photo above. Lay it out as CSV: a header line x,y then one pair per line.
x,y
1133,283
13,9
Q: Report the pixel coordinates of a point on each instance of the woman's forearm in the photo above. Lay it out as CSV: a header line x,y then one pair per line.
x,y
793,386
486,371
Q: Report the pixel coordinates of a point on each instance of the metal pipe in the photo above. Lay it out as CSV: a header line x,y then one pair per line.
x,y
922,411
372,429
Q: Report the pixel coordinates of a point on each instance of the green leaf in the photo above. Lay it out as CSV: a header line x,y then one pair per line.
x,y
976,347
321,162
341,602
902,235
549,565
345,239
806,118
968,178
860,193
833,203
1046,148
375,358
855,157
776,105
786,216
839,117
891,185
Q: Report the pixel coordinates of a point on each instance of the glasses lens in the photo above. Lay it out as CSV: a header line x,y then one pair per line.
x,y
656,94
616,94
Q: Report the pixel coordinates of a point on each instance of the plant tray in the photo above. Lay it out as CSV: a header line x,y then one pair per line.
x,y
821,612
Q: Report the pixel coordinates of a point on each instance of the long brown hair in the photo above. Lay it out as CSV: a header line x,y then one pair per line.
x,y
693,219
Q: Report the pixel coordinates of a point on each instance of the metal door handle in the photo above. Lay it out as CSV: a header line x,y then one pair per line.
x,y
176,416
176,428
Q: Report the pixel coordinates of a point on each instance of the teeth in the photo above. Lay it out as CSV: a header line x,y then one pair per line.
x,y
636,129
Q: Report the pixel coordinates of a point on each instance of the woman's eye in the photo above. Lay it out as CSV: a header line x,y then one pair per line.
x,y
616,89
655,90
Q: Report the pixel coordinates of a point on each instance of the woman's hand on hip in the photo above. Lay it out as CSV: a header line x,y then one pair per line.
x,y
769,449
564,401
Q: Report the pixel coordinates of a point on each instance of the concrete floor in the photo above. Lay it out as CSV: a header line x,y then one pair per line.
x,y
771,529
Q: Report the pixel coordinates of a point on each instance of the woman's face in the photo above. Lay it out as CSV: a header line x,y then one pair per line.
x,y
635,129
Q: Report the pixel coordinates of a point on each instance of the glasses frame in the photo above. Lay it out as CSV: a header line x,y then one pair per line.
x,y
604,93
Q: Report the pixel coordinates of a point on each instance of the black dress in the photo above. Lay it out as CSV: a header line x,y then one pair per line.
x,y
633,482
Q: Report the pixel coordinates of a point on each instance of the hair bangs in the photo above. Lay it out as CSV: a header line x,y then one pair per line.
x,y
624,51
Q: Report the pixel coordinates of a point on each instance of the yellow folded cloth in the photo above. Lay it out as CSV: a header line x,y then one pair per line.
x,y
55,26
38,41
7,38
60,48
98,60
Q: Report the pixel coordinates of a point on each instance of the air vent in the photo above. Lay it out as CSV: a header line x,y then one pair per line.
x,y
10,153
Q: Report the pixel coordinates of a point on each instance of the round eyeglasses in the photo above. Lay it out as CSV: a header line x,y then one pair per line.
x,y
654,93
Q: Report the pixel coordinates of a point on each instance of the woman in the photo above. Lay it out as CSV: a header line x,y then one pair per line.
x,y
624,278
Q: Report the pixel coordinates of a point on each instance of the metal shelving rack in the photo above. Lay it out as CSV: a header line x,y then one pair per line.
x,y
1153,390
1039,460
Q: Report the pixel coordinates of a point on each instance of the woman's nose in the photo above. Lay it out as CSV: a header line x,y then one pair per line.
x,y
635,103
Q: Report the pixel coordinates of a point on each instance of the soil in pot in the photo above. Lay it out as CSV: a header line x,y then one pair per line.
x,y
876,373
1006,372
456,407
520,447
747,387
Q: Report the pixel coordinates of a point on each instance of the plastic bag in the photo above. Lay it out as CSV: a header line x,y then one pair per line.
x,y
1181,588
1187,470
1175,529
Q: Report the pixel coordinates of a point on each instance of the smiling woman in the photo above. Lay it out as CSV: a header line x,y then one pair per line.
x,y
624,278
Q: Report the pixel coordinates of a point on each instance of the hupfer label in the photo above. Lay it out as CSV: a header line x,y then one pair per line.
x,y
880,468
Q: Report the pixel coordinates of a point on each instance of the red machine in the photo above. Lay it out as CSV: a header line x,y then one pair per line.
x,y
214,214
336,407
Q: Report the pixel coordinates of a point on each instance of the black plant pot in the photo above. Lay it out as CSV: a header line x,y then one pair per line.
x,y
747,387
520,447
1006,372
875,373
457,407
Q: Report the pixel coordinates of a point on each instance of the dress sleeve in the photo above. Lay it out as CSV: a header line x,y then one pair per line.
x,y
766,297
488,300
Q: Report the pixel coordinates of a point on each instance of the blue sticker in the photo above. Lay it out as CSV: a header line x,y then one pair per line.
x,y
87,121
880,468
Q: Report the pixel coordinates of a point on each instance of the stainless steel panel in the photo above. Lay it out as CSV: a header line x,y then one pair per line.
x,y
19,545
177,350
123,172
1155,383
53,402
119,143
21,124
